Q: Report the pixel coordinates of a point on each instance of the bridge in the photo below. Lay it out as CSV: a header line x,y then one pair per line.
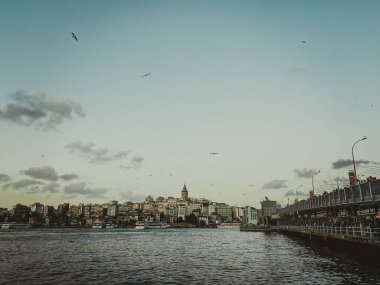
x,y
350,214
349,206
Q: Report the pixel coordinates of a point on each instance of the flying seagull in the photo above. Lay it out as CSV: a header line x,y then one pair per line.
x,y
42,155
145,75
304,42
251,185
74,36
214,153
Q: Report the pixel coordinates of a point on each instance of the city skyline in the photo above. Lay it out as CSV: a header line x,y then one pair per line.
x,y
239,100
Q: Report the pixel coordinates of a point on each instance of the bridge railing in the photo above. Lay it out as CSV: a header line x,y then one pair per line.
x,y
365,232
363,193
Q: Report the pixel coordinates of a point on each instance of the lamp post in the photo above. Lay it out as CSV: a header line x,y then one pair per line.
x,y
356,178
312,180
353,158
297,191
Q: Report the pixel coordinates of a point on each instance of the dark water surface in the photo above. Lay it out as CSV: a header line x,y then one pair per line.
x,y
172,256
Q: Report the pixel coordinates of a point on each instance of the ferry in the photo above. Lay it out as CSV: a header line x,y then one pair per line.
x,y
150,225
13,225
229,226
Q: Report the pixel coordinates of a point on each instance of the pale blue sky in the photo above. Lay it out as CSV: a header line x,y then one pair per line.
x,y
226,76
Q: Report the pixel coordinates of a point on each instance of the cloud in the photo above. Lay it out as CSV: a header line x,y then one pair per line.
x,y
47,173
81,147
290,193
304,173
298,193
23,183
68,177
135,163
51,188
80,188
39,110
4,177
302,194
275,184
342,180
44,173
342,163
130,196
93,154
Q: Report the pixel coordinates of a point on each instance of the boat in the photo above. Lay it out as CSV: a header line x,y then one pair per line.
x,y
110,226
144,225
97,226
229,226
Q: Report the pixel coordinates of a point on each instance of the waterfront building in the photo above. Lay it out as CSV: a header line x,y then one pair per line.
x,y
112,209
171,202
74,212
204,208
238,213
181,211
172,213
48,211
211,209
204,219
87,210
3,214
37,208
195,206
147,206
224,212
20,213
268,207
251,216
123,210
97,210
63,209
136,206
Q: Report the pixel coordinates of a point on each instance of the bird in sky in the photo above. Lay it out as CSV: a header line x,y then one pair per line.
x,y
371,105
74,36
171,174
304,42
42,155
251,185
147,74
214,153
150,174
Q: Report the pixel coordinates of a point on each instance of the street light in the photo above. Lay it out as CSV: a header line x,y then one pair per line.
x,y
312,180
297,191
353,159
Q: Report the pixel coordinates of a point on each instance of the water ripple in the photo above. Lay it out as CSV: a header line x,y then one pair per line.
x,y
173,256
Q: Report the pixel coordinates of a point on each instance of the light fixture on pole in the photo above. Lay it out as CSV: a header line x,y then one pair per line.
x,y
297,191
353,158
312,180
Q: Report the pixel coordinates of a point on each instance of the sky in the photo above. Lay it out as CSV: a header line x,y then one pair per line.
x,y
279,89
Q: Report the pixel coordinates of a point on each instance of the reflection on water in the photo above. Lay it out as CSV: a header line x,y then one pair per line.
x,y
172,256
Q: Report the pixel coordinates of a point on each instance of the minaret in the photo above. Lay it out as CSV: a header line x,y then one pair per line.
x,y
184,193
